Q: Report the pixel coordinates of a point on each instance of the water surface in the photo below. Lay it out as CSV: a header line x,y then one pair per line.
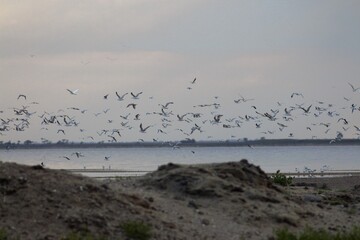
x,y
270,159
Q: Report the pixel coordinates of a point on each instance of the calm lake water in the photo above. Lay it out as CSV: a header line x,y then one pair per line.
x,y
269,159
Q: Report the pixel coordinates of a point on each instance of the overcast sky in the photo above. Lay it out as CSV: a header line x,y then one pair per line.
x,y
263,50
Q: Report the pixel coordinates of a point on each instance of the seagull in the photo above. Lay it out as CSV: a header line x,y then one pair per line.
x,y
116,131
107,158
325,124
243,99
74,108
306,110
74,92
67,158
143,130
297,94
282,125
113,138
78,154
217,118
193,81
181,117
125,117
344,120
120,97
133,105
353,108
165,114
61,130
136,96
353,88
21,95
161,131
166,105
288,112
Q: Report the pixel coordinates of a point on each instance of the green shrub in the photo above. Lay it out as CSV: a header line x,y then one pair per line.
x,y
3,235
136,230
283,234
82,236
280,178
311,234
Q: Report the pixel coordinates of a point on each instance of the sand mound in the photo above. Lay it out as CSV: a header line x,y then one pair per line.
x,y
234,200
38,203
210,180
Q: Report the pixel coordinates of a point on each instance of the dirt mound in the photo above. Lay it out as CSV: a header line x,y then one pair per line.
x,y
209,180
234,200
38,203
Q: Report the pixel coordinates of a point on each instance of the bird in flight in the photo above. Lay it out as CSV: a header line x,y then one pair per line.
x,y
344,121
242,99
142,129
217,118
125,117
181,117
120,97
193,81
135,96
137,117
61,130
21,95
307,110
113,138
297,94
73,92
133,105
166,105
353,88
78,154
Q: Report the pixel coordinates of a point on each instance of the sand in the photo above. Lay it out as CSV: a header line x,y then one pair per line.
x,y
234,200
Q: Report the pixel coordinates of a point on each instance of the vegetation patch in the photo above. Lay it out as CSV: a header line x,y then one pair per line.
x,y
136,230
282,179
3,235
312,234
82,236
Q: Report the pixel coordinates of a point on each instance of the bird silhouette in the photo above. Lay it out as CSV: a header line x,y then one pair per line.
x,y
73,92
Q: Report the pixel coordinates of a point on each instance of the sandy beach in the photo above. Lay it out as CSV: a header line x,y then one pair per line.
x,y
234,200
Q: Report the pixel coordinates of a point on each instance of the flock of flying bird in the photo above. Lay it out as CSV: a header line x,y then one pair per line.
x,y
188,125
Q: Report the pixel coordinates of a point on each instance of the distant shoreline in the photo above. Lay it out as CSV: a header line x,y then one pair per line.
x,y
190,143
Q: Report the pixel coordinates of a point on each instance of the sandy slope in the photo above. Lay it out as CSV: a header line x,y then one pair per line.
x,y
234,200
